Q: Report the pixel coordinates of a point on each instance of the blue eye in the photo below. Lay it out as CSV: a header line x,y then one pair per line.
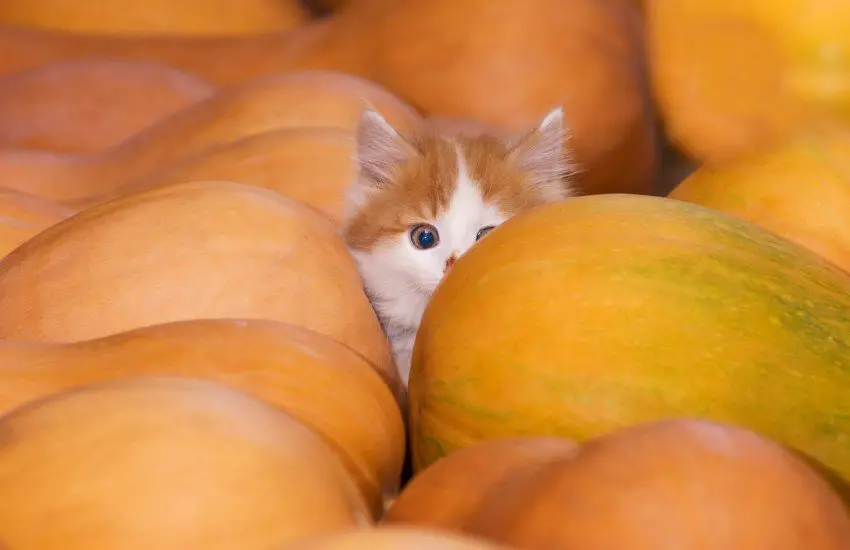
x,y
424,236
484,230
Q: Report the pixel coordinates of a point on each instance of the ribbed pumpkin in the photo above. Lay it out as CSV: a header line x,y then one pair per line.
x,y
152,17
503,63
23,216
166,463
393,539
318,381
592,314
449,493
313,99
670,484
315,166
800,190
89,104
198,250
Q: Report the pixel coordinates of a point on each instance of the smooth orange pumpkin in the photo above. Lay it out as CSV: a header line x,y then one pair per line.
x,y
22,216
800,190
89,104
315,166
198,250
320,382
393,539
670,484
732,78
152,17
294,100
469,127
502,63
448,493
167,463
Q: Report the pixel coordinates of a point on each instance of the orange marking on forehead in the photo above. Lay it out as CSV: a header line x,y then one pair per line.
x,y
424,185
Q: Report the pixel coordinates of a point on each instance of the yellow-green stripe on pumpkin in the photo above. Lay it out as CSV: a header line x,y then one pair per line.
x,y
581,317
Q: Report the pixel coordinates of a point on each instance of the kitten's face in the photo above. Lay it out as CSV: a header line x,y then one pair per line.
x,y
422,202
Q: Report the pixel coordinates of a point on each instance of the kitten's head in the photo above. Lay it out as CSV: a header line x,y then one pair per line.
x,y
421,201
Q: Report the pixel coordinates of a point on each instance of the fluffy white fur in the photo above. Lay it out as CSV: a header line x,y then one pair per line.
x,y
401,278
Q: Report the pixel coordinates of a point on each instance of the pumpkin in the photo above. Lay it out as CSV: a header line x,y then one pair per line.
x,y
469,127
170,463
502,63
312,165
595,313
168,17
293,100
449,492
764,189
676,483
392,539
22,216
320,382
90,104
732,78
199,250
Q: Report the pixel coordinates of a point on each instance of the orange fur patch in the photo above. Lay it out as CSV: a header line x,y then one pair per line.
x,y
424,185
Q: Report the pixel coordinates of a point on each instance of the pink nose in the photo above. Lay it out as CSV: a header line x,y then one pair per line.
x,y
450,262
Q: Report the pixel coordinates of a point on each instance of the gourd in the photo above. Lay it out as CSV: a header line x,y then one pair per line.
x,y
765,189
502,63
86,105
675,483
394,539
314,166
169,463
447,494
165,17
199,250
596,313
23,216
292,100
318,381
732,78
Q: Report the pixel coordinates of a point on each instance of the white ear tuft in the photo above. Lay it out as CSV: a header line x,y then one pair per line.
x,y
379,150
554,121
542,155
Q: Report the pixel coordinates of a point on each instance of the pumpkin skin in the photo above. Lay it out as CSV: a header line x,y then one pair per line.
x,y
294,100
732,78
86,105
448,494
23,216
670,484
200,250
318,381
314,166
588,57
643,295
393,539
764,189
168,17
210,467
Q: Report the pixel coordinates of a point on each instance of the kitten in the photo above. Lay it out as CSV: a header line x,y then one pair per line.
x,y
421,201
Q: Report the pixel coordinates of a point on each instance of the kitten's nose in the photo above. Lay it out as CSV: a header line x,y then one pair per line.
x,y
450,262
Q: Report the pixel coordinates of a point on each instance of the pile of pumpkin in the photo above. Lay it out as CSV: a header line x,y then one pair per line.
x,y
187,357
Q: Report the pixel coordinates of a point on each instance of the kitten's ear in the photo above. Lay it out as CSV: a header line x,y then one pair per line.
x,y
542,155
380,149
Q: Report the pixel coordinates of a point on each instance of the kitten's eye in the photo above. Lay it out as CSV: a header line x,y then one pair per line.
x,y
484,230
424,236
